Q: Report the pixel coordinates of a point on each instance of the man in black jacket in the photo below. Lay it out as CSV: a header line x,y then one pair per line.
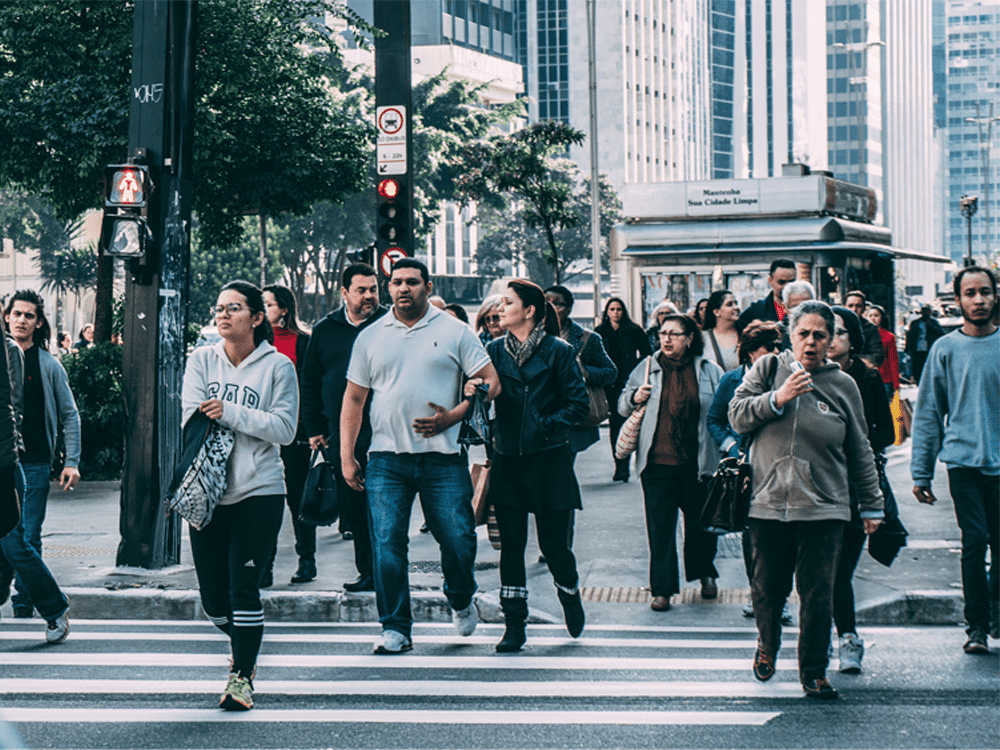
x,y
770,308
324,380
920,337
855,301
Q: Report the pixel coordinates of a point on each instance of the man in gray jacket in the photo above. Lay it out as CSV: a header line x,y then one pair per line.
x,y
48,405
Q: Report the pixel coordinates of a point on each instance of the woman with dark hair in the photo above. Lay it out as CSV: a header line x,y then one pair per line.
x,y
675,455
698,312
86,337
457,311
845,348
889,369
809,447
626,343
542,396
719,329
292,340
246,386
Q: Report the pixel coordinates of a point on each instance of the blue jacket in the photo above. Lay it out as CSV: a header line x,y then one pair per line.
x,y
718,413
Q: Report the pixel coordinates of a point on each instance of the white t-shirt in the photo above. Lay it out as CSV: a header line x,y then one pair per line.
x,y
405,368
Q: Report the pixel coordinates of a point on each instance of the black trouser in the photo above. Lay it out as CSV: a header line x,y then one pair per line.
x,y
809,550
918,360
666,489
295,458
354,505
976,497
551,528
229,557
843,588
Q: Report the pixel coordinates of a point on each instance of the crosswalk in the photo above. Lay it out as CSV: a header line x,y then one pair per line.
x,y
613,676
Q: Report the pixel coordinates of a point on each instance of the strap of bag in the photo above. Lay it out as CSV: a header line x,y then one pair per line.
x,y
718,351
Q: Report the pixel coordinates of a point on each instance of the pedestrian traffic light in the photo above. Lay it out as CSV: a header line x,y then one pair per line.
x,y
126,186
125,230
393,214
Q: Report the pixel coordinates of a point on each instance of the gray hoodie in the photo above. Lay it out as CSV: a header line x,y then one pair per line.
x,y
805,456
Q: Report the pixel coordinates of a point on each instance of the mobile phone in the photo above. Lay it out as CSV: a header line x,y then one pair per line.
x,y
796,365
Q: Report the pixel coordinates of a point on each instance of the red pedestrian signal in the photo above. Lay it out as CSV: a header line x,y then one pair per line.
x,y
126,186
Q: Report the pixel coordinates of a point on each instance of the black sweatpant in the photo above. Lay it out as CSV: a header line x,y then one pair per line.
x,y
229,557
551,528
843,586
295,459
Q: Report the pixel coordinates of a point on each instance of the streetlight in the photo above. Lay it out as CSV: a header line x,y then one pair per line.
x,y
984,155
857,82
969,204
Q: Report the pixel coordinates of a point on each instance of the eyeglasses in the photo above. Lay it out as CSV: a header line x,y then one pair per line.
x,y
232,308
672,334
492,318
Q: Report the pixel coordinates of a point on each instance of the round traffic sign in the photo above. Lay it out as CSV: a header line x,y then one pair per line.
x,y
389,258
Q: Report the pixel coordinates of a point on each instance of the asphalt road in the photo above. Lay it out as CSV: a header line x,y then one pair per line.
x,y
156,685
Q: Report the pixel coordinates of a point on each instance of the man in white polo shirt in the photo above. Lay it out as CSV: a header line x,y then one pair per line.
x,y
412,362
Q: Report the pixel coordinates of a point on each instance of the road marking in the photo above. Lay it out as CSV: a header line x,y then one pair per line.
x,y
60,657
353,716
415,688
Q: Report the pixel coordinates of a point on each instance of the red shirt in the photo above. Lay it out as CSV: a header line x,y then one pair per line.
x,y
284,342
889,369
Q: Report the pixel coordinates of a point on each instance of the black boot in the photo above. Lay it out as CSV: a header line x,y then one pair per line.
x,y
621,470
306,571
573,612
515,612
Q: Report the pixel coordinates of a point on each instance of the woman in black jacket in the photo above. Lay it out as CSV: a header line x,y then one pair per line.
x,y
543,395
627,345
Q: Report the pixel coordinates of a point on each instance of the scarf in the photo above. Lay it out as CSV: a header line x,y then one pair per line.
x,y
676,440
522,351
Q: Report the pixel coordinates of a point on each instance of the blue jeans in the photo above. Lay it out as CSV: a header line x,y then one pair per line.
x,y
33,487
392,480
34,581
977,507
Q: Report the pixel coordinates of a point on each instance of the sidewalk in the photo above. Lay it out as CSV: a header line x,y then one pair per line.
x,y
923,586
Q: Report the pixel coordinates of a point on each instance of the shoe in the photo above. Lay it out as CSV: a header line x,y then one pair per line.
x,y
465,620
253,672
347,535
977,642
541,558
820,688
266,580
621,471
393,642
786,615
852,651
363,583
709,588
513,639
763,666
573,612
238,695
660,603
425,529
22,612
306,571
56,630
748,610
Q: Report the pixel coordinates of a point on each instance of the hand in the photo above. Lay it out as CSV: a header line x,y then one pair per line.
x,y
317,441
871,524
211,408
799,382
352,473
924,495
69,477
641,396
431,426
470,386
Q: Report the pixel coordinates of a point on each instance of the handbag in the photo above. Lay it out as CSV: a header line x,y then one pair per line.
x,y
476,426
599,410
480,489
628,437
320,505
200,479
728,497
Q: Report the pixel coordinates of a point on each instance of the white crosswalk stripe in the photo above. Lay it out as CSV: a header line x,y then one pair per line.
x,y
327,666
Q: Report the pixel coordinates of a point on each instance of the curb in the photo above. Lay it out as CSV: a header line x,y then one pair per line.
x,y
915,608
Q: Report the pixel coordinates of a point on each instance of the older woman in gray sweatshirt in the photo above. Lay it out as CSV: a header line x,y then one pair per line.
x,y
809,443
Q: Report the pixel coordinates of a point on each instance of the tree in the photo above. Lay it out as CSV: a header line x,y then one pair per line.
x,y
523,165
72,269
503,242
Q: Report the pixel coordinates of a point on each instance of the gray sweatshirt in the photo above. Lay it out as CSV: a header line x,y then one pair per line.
x,y
960,382
805,456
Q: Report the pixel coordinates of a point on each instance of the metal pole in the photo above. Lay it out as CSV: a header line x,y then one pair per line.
x,y
595,186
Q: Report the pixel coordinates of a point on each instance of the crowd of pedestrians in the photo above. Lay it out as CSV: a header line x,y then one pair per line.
x,y
798,388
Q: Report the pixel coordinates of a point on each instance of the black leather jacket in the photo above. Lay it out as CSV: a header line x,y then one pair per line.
x,y
540,401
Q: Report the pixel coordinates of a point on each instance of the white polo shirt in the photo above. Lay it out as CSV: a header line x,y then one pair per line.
x,y
405,368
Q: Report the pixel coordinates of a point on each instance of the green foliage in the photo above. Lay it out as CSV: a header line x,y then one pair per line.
x,y
95,377
523,166
29,222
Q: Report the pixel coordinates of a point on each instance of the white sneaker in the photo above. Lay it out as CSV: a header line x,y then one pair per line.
x,y
465,620
852,651
56,630
393,642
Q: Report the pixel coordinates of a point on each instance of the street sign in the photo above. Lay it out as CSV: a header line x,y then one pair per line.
x,y
389,258
390,148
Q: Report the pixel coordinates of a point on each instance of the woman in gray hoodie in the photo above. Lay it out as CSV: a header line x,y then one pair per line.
x,y
809,443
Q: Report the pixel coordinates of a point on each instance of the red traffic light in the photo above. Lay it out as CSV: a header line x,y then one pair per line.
x,y
126,187
388,188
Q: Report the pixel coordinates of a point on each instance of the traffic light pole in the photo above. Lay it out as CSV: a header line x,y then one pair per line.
x,y
161,125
